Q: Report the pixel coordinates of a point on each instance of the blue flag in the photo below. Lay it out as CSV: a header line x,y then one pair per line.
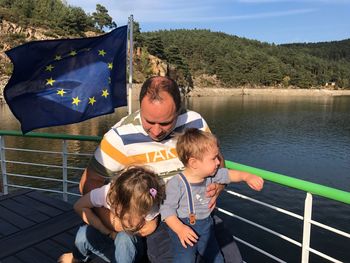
x,y
56,82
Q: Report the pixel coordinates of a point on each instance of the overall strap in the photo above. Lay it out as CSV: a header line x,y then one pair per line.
x,y
192,214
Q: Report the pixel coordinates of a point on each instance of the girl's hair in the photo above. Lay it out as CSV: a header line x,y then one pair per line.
x,y
194,143
134,193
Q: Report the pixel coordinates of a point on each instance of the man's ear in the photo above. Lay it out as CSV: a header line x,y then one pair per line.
x,y
193,163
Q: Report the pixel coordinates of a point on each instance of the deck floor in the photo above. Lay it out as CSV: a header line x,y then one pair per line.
x,y
35,227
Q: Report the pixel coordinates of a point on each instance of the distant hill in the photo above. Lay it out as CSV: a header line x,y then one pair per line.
x,y
238,61
192,57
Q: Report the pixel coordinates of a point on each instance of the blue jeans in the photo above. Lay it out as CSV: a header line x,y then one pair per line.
x,y
125,248
159,245
206,246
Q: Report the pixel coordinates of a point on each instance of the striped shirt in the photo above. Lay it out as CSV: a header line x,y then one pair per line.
x,y
127,143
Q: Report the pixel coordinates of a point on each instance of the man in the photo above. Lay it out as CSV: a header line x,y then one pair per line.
x,y
145,137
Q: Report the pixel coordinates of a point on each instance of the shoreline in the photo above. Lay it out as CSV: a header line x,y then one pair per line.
x,y
220,92
214,92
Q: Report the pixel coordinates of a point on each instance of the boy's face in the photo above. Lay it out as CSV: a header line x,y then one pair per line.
x,y
209,163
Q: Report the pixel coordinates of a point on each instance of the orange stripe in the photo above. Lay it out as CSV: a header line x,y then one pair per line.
x,y
114,153
156,156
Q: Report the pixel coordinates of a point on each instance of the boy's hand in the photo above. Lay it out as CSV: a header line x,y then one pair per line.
x,y
255,182
213,191
187,236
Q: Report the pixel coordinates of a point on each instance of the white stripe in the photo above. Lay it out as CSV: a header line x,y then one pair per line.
x,y
105,160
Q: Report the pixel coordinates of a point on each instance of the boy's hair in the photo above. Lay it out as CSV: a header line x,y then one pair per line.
x,y
130,195
194,143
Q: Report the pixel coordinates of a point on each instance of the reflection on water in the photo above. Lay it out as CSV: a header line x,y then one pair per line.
x,y
307,138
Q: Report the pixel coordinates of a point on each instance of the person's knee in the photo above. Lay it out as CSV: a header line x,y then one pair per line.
x,y
124,239
80,237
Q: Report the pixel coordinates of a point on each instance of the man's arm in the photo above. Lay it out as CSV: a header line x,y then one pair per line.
x,y
90,179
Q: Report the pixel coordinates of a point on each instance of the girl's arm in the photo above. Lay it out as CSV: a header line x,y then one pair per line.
x,y
83,207
184,232
253,181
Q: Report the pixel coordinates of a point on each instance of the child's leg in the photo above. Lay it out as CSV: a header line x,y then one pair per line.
x,y
208,246
128,248
89,241
180,253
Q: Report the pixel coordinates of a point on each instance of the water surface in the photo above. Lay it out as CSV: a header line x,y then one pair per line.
x,y
303,137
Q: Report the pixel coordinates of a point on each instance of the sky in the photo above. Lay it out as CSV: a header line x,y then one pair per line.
x,y
272,21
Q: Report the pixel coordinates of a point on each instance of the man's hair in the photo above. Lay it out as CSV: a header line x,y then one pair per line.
x,y
133,194
194,143
154,85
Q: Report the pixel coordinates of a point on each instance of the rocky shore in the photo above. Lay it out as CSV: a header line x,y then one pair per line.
x,y
217,92
213,92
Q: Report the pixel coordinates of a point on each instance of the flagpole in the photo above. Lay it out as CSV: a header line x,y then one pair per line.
x,y
131,48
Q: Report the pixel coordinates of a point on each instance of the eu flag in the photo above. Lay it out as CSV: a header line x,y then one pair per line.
x,y
56,82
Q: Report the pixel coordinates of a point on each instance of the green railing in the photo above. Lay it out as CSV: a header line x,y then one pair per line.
x,y
51,136
313,188
317,189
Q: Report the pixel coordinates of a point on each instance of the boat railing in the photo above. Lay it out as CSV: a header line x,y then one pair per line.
x,y
65,181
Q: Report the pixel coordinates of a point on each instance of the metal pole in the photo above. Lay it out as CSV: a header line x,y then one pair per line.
x,y
64,170
131,49
306,229
3,166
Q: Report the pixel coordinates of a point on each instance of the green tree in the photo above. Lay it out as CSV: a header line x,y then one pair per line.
x,y
102,19
75,21
137,36
155,46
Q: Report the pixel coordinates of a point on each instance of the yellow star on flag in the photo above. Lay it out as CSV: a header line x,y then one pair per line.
x,y
58,57
110,65
61,92
105,93
102,53
50,81
49,68
73,53
92,100
76,100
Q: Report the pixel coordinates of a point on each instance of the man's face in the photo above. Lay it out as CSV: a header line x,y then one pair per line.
x,y
158,117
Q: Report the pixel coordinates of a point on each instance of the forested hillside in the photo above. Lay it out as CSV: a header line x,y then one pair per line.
x,y
55,15
234,61
239,61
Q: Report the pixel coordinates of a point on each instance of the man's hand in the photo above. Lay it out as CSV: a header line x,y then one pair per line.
x,y
213,191
187,236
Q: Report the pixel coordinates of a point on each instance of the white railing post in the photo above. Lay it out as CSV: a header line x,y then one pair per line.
x,y
64,170
3,166
306,229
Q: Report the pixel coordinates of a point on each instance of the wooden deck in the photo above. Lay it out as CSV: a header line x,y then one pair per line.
x,y
35,227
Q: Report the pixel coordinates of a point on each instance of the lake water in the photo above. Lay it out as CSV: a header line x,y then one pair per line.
x,y
303,137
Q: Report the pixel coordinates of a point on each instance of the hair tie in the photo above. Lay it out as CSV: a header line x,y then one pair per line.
x,y
153,192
